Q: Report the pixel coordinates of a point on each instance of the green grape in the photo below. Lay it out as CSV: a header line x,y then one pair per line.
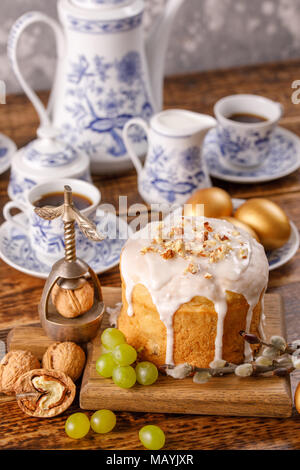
x,y
152,437
111,337
124,376
77,425
146,373
105,365
124,354
103,421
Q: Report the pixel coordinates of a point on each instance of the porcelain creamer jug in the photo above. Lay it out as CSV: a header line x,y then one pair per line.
x,y
106,74
174,168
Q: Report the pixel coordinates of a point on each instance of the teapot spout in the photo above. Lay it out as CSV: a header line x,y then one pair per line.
x,y
156,48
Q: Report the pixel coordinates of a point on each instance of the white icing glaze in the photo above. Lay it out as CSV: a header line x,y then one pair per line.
x,y
230,260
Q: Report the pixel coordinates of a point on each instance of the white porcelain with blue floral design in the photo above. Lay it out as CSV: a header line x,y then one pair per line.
x,y
95,4
7,149
174,167
47,236
107,74
283,159
45,158
246,145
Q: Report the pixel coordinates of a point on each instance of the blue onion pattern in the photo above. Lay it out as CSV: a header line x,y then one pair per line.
x,y
85,26
172,175
96,106
281,159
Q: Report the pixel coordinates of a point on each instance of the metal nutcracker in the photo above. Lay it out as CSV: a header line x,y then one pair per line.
x,y
70,273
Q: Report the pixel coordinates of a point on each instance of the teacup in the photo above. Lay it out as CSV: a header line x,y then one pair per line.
x,y
47,236
245,144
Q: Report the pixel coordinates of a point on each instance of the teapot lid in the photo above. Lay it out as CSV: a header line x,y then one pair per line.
x,y
48,151
101,4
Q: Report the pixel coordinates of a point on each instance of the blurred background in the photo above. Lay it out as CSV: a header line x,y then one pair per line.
x,y
208,34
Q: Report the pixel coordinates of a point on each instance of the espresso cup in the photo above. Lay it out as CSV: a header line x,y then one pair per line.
x,y
47,236
244,144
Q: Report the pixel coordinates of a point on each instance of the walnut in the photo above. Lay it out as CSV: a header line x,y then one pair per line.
x,y
12,366
67,357
44,393
168,254
72,303
208,276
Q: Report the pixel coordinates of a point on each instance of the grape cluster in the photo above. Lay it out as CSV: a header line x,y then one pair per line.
x,y
117,362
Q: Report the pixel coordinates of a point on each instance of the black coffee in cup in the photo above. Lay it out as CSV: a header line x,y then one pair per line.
x,y
247,118
57,198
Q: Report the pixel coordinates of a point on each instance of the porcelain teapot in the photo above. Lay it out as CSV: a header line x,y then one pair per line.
x,y
174,168
106,74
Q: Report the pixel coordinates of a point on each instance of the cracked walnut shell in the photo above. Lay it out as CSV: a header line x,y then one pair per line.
x,y
72,303
67,357
44,393
12,366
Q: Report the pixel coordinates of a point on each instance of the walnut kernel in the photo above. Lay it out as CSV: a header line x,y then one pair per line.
x,y
44,393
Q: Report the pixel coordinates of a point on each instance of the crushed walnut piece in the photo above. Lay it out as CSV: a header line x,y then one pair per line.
x,y
208,276
192,268
168,254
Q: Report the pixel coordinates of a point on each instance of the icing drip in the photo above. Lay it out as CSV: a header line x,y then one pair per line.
x,y
183,258
261,330
247,348
221,309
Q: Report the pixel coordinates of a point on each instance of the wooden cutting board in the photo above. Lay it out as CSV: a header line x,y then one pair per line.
x,y
230,395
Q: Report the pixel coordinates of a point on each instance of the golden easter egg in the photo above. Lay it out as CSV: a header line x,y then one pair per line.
x,y
297,398
267,219
216,203
238,224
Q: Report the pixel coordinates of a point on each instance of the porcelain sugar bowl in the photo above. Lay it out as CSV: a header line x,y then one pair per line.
x,y
45,158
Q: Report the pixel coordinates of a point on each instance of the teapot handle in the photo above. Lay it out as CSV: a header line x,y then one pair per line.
x,y
135,159
16,31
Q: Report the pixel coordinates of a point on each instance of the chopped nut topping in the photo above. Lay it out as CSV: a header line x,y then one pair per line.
x,y
195,240
208,227
192,268
243,253
168,254
208,276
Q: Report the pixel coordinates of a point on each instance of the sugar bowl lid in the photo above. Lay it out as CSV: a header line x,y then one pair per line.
x,y
101,4
48,150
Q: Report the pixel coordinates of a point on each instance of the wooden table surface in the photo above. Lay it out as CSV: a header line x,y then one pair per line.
x,y
20,294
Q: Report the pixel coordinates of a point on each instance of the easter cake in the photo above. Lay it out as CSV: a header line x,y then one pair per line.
x,y
189,285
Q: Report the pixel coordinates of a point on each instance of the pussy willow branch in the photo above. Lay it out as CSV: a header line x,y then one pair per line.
x,y
277,368
253,339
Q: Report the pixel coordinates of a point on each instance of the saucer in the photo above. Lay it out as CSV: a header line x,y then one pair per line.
x,y
281,256
16,249
283,159
7,150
